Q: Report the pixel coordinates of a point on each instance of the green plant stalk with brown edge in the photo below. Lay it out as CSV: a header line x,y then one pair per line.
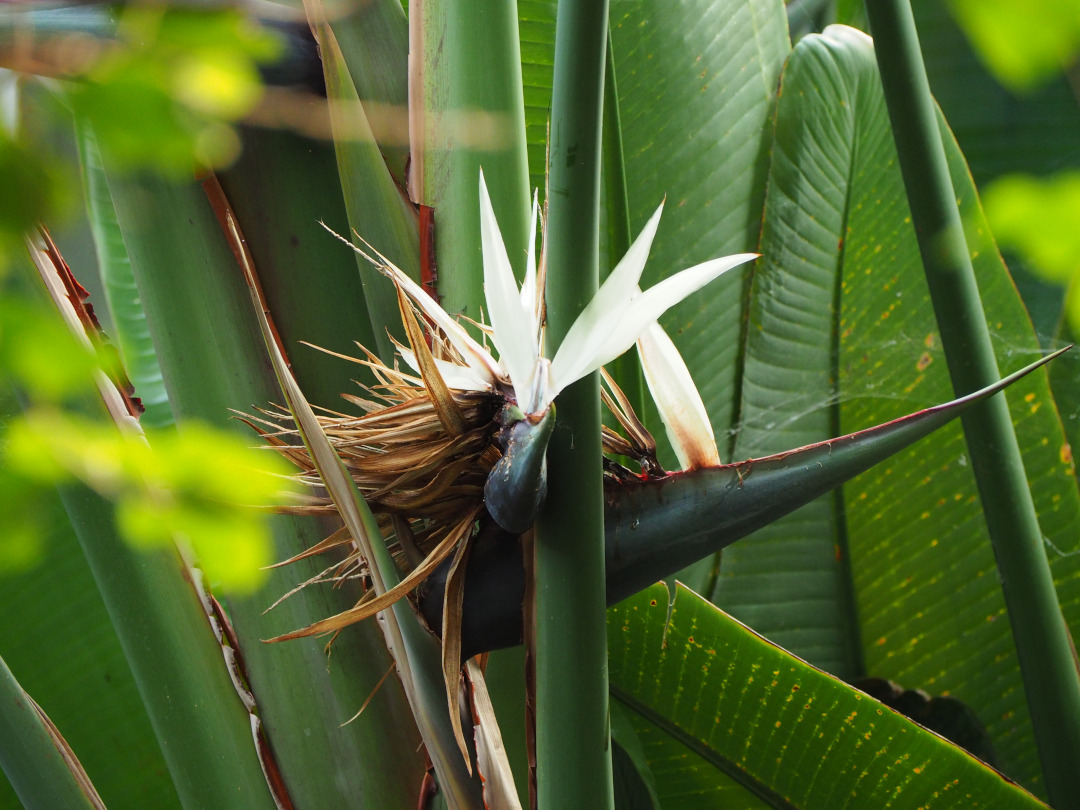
x,y
33,758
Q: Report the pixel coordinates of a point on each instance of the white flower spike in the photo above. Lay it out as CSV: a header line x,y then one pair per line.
x,y
527,382
610,324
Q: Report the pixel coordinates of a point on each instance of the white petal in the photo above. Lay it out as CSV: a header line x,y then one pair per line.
x,y
677,399
654,302
478,358
619,328
511,332
528,287
601,316
459,378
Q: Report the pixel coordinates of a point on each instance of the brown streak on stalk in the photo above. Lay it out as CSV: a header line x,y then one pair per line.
x,y
429,789
429,273
78,297
76,292
82,779
234,237
234,662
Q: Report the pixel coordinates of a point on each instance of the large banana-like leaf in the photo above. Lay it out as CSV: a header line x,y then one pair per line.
x,y
160,613
536,26
788,734
909,557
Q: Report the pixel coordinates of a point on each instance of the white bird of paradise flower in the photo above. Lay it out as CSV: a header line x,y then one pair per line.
x,y
610,324
618,315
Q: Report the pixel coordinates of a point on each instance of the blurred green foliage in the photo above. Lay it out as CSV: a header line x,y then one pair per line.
x,y
1037,218
30,187
1023,42
161,95
199,485
164,94
1026,46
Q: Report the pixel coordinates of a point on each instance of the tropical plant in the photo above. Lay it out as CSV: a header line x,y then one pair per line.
x,y
214,284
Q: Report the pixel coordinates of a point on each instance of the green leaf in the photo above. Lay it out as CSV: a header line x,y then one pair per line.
x,y
280,189
755,711
683,777
789,370
378,211
374,40
473,118
202,726
635,788
536,32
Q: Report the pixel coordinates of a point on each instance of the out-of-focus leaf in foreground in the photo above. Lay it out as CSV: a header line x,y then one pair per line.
x,y
1037,217
163,95
201,485
1024,42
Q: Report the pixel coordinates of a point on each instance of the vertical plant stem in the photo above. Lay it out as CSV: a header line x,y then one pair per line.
x,y
573,748
1049,671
